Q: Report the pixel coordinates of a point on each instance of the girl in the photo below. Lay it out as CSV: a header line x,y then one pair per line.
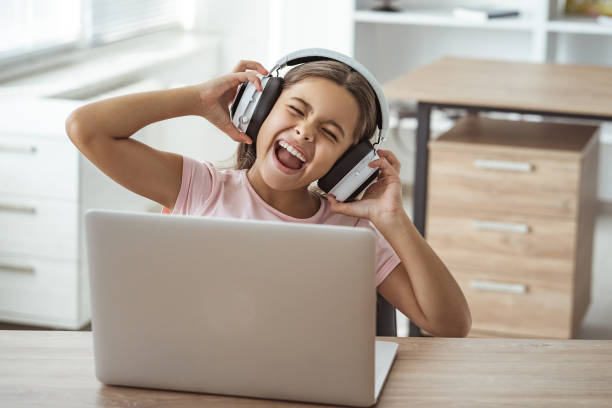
x,y
323,109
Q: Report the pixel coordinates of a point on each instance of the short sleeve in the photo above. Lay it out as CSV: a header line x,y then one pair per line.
x,y
196,187
386,257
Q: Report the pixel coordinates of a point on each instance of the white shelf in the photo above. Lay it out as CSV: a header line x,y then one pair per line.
x,y
441,17
444,18
578,25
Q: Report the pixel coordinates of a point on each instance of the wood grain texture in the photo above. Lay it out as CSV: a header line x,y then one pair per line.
x,y
557,140
573,89
511,252
542,311
553,204
56,369
550,189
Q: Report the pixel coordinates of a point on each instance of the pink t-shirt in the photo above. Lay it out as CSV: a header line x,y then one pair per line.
x,y
208,192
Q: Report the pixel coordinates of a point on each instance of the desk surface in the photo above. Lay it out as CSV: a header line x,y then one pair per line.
x,y
567,89
56,369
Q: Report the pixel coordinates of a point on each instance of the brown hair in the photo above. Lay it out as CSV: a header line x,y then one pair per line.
x,y
342,75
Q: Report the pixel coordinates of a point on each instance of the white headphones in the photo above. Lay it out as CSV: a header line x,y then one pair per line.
x,y
350,175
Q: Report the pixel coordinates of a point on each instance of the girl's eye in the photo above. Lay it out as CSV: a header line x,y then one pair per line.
x,y
296,110
331,134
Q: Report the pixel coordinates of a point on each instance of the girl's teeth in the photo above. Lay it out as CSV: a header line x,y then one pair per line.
x,y
292,150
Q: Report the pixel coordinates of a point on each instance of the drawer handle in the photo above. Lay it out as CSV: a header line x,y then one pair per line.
x,y
501,226
16,268
18,149
498,286
503,165
17,208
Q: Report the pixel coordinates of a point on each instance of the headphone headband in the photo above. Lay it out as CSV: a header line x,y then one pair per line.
x,y
320,54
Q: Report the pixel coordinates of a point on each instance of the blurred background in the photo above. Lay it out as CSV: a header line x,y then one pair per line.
x,y
58,55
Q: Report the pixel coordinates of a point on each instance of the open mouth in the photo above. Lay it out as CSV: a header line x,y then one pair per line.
x,y
286,159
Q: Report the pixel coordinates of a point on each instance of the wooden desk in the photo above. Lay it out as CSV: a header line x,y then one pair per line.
x,y
56,369
572,91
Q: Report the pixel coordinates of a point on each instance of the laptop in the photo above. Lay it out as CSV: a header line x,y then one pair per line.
x,y
235,307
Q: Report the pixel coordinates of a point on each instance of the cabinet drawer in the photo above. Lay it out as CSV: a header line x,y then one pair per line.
x,y
38,167
38,289
515,307
509,181
38,227
532,249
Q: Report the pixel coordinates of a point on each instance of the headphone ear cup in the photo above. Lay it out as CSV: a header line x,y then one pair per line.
x,y
237,98
350,175
268,98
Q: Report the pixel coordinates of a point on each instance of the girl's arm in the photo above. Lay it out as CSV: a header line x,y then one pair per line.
x,y
101,131
421,286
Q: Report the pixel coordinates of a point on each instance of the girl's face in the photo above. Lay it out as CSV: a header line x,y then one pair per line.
x,y
318,118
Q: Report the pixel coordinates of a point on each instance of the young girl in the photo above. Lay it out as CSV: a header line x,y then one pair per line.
x,y
323,109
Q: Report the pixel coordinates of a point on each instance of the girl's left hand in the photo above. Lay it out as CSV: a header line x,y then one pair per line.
x,y
383,198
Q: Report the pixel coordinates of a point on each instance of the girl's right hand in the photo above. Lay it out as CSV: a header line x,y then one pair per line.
x,y
217,94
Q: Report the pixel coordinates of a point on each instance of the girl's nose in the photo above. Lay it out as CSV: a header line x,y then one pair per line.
x,y
301,133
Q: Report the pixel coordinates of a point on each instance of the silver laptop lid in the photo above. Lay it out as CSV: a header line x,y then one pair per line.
x,y
239,307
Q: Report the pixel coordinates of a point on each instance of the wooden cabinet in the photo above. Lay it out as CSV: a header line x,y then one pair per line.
x,y
510,211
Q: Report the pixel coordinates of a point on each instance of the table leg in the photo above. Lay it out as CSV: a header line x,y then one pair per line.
x,y
419,195
385,318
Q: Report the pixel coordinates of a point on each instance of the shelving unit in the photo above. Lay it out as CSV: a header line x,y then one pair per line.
x,y
440,17
444,18
541,33
577,25
420,34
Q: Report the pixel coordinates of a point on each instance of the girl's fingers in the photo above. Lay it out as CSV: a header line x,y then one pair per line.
x,y
386,169
235,134
337,205
249,76
244,138
380,163
391,157
243,65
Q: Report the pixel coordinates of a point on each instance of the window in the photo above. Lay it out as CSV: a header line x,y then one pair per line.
x,y
31,28
117,20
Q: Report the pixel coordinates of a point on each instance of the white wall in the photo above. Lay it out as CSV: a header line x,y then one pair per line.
x,y
316,23
242,25
266,30
604,180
